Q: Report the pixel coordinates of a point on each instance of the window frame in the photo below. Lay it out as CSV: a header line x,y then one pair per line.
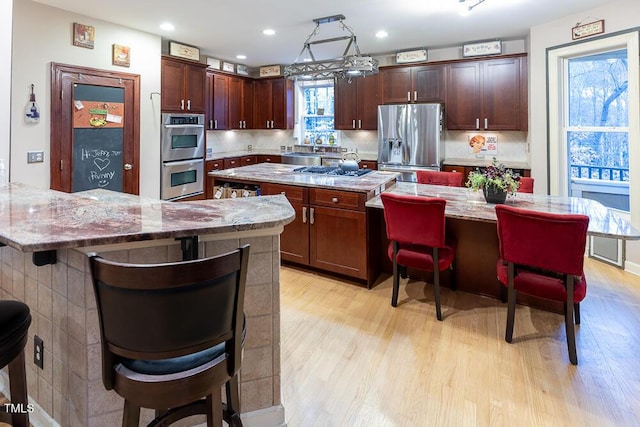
x,y
556,94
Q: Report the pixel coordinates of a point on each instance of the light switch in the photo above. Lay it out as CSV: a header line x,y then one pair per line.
x,y
35,156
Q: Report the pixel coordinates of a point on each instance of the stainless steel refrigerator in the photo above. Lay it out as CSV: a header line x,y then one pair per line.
x,y
409,138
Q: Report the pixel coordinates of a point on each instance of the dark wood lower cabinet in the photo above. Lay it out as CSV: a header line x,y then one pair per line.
x,y
329,232
339,241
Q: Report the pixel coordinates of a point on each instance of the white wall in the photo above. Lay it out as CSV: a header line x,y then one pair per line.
x,y
618,16
42,35
5,81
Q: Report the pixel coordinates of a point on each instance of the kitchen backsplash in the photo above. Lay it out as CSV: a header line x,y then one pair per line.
x,y
510,146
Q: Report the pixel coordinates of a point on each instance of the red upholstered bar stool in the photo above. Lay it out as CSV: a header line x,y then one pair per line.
x,y
542,254
416,231
15,319
172,335
450,179
526,185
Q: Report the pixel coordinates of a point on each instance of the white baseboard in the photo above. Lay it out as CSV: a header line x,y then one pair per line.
x,y
267,417
632,267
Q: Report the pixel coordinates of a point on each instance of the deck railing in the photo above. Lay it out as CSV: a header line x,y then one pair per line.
x,y
604,173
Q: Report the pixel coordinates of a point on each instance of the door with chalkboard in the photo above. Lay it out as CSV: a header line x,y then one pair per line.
x,y
95,126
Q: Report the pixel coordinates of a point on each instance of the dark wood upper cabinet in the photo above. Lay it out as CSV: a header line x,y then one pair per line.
x,y
356,103
487,95
220,101
273,104
424,83
240,103
182,86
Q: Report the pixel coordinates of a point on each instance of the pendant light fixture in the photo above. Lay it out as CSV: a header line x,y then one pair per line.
x,y
351,64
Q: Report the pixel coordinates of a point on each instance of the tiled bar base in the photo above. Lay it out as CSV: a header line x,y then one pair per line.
x,y
69,388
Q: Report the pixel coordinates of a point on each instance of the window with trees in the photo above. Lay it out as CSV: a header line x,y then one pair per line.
x,y
597,127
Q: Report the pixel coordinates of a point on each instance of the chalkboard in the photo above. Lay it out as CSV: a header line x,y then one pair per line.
x,y
98,137
97,159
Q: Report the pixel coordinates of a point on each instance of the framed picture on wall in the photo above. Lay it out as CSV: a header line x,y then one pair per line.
x,y
121,55
83,35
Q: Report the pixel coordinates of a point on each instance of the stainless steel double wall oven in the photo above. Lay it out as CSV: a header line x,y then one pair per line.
x,y
183,147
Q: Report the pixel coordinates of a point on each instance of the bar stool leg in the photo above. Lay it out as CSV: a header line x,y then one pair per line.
x,y
18,389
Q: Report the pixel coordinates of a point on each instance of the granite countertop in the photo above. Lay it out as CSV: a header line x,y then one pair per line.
x,y
485,162
33,219
466,204
371,183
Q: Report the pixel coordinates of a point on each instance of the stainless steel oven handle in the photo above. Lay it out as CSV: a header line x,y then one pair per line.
x,y
184,126
182,162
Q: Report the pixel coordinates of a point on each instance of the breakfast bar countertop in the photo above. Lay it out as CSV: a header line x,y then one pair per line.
x,y
371,183
464,203
33,219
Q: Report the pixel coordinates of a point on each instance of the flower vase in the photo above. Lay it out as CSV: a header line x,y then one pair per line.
x,y
494,195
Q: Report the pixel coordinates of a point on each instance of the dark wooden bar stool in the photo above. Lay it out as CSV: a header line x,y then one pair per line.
x,y
15,319
172,335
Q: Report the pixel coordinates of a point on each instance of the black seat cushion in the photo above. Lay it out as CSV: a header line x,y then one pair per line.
x,y
175,364
15,319
179,364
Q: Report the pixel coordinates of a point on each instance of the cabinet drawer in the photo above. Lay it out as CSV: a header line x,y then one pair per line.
x,y
214,165
368,164
337,199
248,160
232,162
294,194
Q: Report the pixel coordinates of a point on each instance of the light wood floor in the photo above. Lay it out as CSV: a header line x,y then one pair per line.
x,y
350,359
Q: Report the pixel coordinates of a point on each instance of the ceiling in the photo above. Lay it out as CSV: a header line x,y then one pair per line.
x,y
226,29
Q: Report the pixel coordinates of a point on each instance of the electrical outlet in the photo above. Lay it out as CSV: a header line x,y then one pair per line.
x,y
38,351
35,156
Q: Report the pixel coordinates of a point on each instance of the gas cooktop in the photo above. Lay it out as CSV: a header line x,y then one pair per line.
x,y
331,170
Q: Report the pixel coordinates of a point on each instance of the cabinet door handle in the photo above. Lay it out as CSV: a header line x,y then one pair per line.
x,y
486,123
210,124
359,124
304,214
415,95
312,216
408,96
365,166
128,166
182,104
335,200
353,123
189,104
267,124
271,124
477,123
215,124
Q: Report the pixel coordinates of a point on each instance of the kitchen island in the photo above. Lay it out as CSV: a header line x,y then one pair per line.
x,y
330,232
472,222
46,235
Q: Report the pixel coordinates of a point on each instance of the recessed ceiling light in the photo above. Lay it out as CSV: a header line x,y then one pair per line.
x,y
381,34
167,26
268,32
241,56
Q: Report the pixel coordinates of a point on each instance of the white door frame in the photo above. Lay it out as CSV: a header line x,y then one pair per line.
x,y
558,150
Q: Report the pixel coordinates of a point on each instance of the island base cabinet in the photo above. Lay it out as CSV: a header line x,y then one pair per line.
x,y
329,232
294,240
338,241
